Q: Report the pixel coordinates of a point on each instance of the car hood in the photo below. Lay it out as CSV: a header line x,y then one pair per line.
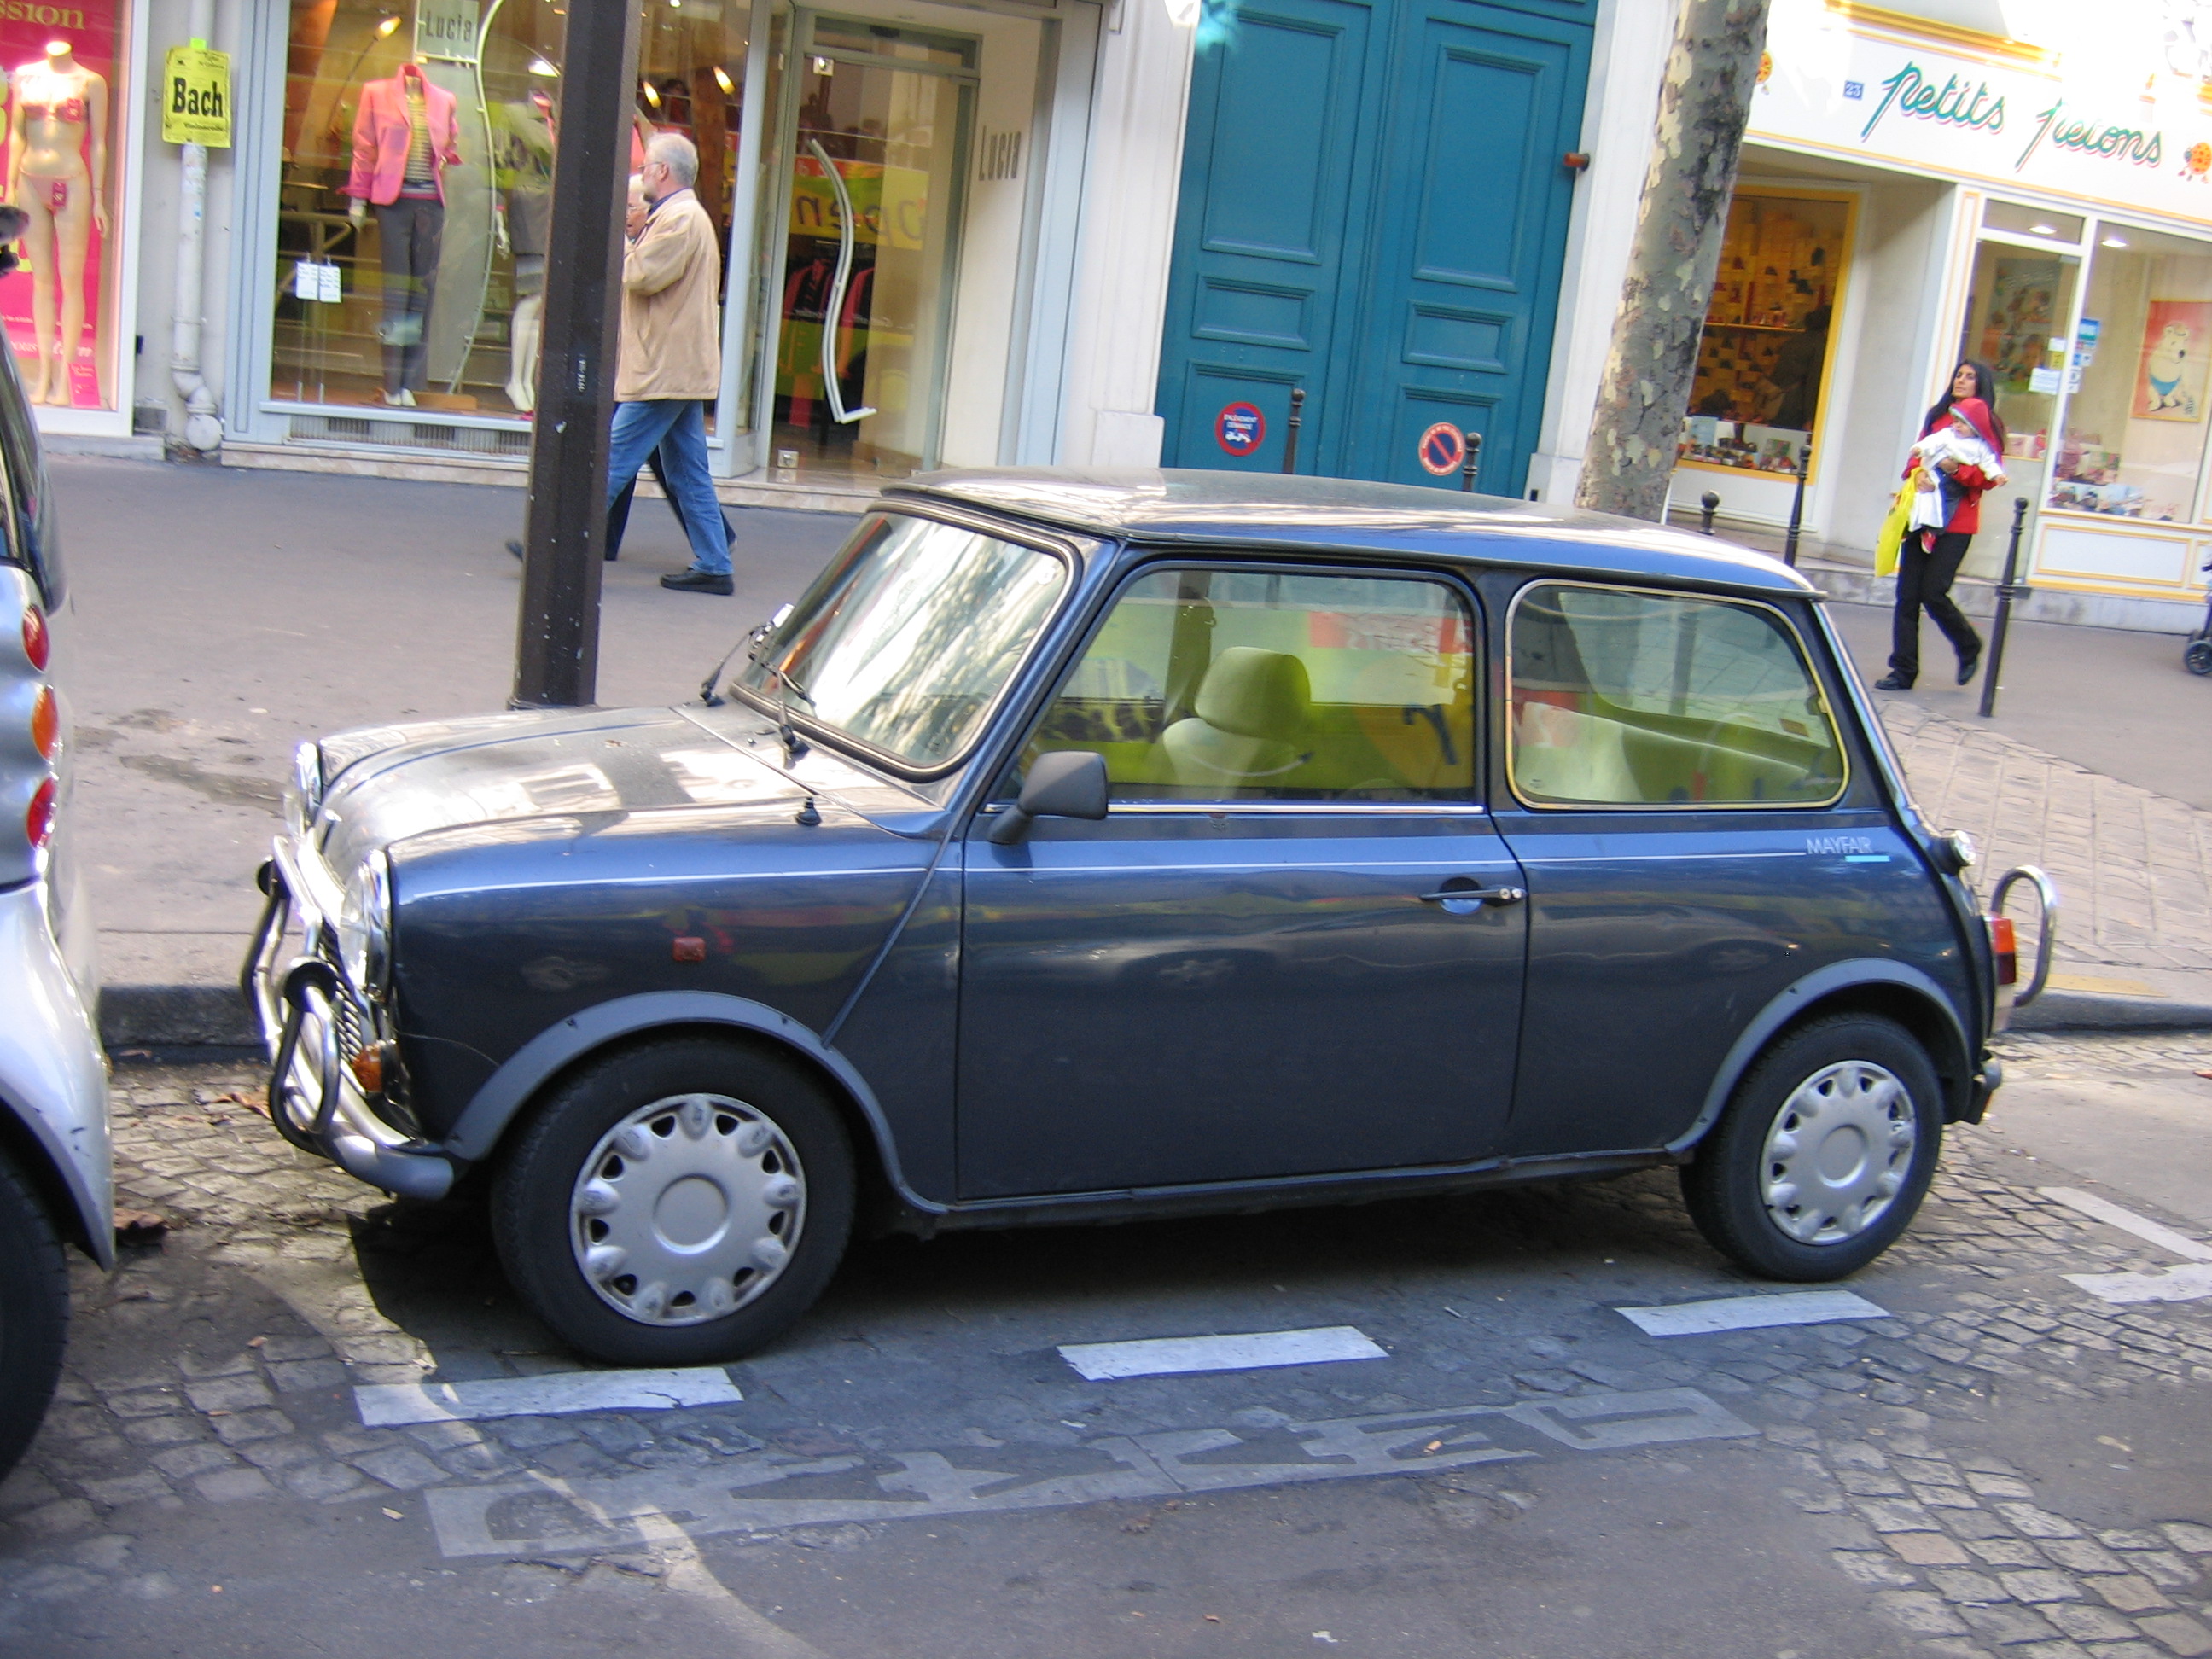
x,y
388,784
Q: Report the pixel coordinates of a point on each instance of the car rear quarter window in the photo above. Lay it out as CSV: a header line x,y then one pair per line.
x,y
1258,685
1623,697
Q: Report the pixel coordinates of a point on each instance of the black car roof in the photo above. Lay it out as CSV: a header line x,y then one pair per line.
x,y
1271,510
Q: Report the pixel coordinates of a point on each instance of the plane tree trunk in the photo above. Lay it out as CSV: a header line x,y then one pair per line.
x,y
1704,103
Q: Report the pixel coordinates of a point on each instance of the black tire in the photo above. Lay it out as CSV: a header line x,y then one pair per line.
x,y
1725,1188
537,1180
2198,656
34,1305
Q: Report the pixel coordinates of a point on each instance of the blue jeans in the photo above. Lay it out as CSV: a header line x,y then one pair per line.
x,y
677,428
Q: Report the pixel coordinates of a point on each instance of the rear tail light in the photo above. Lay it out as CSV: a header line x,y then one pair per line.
x,y
38,822
2004,949
38,644
47,722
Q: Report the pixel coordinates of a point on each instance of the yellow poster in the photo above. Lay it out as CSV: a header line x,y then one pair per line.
x,y
196,97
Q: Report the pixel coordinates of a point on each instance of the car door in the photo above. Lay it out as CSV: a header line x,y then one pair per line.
x,y
1294,945
1695,841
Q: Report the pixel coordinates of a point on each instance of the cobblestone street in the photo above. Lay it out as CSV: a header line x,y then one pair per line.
x,y
2002,1462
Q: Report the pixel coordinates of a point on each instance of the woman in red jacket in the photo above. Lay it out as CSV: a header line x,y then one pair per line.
x,y
1928,563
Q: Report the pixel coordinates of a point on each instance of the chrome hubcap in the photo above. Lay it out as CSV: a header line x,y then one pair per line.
x,y
686,1210
1838,1153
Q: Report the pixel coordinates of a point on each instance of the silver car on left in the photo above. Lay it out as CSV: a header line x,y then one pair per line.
x,y
55,1184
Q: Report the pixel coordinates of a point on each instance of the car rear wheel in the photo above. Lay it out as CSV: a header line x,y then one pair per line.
x,y
677,1203
1824,1153
34,1303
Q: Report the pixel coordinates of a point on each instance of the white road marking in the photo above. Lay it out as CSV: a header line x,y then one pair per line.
x,y
2128,1221
1163,1356
2192,1283
384,1404
538,1515
1751,1313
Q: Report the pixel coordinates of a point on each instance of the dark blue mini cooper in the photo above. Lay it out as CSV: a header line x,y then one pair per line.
x,y
1089,845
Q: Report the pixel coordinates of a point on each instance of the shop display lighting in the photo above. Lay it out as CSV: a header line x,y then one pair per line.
x,y
2115,241
539,66
2043,230
652,93
385,29
722,80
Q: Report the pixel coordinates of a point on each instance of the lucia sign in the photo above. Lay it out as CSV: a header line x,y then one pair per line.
x,y
2128,129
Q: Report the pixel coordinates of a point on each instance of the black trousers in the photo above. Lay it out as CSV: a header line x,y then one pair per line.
x,y
1924,580
411,234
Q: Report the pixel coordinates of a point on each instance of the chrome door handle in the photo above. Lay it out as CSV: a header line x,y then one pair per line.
x,y
1476,895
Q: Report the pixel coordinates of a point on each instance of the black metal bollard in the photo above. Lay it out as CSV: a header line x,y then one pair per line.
x,y
1473,465
2008,590
1708,504
1290,432
1797,506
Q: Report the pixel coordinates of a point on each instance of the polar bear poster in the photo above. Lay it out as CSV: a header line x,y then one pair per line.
x,y
2176,349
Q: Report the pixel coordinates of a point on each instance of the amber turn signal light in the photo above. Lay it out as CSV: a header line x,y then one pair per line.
x,y
46,723
368,1069
2004,946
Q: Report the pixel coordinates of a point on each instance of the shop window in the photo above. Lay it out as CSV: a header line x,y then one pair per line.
x,y
2133,445
1769,337
428,294
2016,315
67,94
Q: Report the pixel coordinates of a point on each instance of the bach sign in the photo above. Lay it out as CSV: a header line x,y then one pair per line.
x,y
196,97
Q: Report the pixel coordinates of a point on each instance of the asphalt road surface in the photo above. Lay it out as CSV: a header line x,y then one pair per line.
x,y
1992,1458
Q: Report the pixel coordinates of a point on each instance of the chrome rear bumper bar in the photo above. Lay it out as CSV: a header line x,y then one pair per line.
x,y
314,1099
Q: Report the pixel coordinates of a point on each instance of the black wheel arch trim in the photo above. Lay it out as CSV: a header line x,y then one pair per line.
x,y
1805,997
509,1088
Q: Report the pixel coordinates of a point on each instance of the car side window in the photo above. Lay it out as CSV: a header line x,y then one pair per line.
x,y
1245,685
1621,698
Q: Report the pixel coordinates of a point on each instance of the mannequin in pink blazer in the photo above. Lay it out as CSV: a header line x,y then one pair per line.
x,y
380,135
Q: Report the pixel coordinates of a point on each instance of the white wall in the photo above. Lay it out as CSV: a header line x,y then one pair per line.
x,y
1127,239
1628,60
161,175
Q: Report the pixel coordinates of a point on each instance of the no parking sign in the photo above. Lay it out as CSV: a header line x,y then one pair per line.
x,y
1239,427
1443,448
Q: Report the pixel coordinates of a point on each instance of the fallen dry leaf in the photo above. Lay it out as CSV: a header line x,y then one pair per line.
x,y
257,1342
1433,1445
395,1515
137,1226
2204,1074
1142,1523
1212,1618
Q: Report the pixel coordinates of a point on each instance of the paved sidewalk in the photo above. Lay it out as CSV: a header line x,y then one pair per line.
x,y
220,617
2134,868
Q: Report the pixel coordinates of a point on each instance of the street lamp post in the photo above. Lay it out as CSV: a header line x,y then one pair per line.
x,y
556,654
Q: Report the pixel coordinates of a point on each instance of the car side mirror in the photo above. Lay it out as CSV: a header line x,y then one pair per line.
x,y
1068,783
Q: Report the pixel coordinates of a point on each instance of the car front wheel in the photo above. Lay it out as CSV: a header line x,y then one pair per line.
x,y
34,1303
679,1203
1824,1153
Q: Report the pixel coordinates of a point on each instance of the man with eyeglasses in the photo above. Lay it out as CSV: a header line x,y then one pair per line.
x,y
671,359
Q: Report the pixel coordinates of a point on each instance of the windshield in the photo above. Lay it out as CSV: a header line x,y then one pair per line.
x,y
907,638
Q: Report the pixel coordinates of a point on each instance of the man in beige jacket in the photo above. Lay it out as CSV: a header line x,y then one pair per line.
x,y
671,360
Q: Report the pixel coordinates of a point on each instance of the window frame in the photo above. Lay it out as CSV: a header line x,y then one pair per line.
x,y
1509,748
1001,793
1019,535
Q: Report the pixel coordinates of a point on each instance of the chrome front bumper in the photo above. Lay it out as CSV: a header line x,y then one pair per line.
x,y
302,1005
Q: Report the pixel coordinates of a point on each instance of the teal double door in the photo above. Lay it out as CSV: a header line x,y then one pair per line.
x,y
1374,208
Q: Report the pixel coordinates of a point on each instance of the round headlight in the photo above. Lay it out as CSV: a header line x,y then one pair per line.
x,y
365,926
303,795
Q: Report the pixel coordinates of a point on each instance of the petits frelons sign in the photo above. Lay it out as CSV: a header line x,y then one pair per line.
x,y
2115,120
